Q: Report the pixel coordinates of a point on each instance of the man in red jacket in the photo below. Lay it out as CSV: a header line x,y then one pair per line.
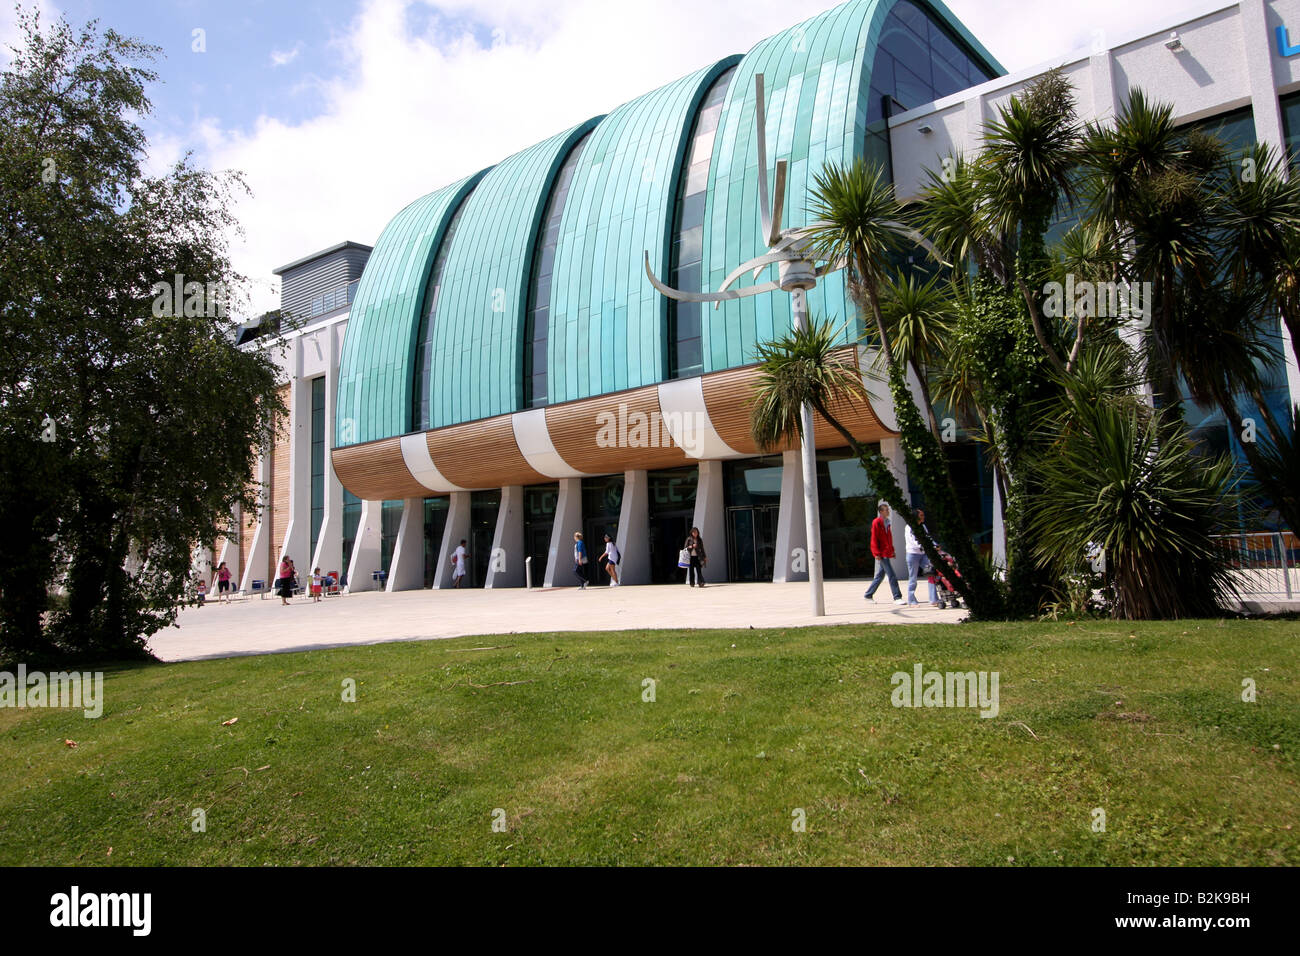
x,y
882,549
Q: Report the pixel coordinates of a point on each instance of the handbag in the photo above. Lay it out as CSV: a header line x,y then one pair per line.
x,y
684,559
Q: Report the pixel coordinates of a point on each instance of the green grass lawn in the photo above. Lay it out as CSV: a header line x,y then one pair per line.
x,y
1143,721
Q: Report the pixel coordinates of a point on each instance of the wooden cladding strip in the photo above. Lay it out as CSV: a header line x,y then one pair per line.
x,y
612,433
482,454
377,472
602,435
729,396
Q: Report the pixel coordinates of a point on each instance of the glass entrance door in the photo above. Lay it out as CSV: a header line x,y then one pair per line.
x,y
751,542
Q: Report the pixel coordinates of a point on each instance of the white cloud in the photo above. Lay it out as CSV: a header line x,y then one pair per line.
x,y
413,110
285,57
9,32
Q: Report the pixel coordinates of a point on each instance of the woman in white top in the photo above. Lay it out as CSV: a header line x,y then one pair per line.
x,y
460,561
611,558
916,558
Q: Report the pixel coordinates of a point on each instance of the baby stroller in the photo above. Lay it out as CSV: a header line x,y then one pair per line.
x,y
947,594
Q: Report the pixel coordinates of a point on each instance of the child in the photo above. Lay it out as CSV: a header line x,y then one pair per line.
x,y
316,581
203,591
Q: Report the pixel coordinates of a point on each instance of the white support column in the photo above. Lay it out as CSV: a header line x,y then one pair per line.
x,y
506,564
329,542
366,549
457,529
633,530
259,552
790,562
230,549
568,519
297,536
892,451
1257,55
711,519
406,572
999,530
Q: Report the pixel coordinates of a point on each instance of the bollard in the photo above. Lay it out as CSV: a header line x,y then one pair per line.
x,y
528,572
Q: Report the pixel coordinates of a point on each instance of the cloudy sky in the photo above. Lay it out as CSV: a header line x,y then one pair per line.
x,y
340,112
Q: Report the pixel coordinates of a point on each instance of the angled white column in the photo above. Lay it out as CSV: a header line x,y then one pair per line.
x,y
457,529
329,541
259,552
790,562
297,535
999,529
633,531
568,519
406,572
366,549
711,519
506,563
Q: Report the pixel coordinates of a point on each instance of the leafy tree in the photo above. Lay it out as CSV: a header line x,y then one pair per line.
x,y
131,422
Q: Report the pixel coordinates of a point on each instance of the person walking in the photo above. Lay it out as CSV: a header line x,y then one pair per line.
x,y
694,548
222,578
580,560
284,581
916,560
610,559
882,549
459,563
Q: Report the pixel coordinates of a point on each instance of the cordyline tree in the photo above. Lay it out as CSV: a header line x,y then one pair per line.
x,y
1077,399
128,427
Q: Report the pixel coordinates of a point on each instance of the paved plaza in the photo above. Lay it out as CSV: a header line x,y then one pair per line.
x,y
256,626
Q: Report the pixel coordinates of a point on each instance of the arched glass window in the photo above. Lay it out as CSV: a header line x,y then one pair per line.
x,y
686,319
421,408
919,60
537,319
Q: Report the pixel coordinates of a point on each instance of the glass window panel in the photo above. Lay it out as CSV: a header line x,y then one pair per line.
x,y
709,118
692,245
908,51
689,355
539,357
693,209
697,178
910,89
541,323
1291,126
688,278
703,148
689,317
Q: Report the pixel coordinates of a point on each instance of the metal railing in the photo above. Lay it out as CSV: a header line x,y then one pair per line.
x,y
1264,563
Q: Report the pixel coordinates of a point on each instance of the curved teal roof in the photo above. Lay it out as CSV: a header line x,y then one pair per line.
x,y
815,78
607,326
478,336
378,359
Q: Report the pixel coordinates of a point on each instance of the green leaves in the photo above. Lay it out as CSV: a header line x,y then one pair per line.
x,y
154,418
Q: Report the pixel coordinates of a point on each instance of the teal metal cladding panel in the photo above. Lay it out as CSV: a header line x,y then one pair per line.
x,y
816,111
378,357
478,336
816,78
607,324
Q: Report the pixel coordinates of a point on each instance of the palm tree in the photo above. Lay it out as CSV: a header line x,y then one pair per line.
x,y
916,317
804,366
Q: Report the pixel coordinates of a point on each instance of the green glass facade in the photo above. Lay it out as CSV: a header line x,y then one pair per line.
x,y
426,351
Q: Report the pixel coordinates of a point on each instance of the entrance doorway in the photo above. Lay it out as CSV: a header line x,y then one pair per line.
x,y
751,542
